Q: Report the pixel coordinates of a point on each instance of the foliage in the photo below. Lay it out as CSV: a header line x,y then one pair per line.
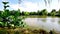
x,y
5,5
58,13
26,13
43,12
53,12
10,18
33,13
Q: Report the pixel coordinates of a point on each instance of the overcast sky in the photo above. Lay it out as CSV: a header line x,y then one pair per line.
x,y
31,5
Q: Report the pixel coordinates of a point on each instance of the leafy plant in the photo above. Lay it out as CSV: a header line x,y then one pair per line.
x,y
10,18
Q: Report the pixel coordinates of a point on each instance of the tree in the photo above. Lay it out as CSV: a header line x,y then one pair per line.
x,y
58,13
26,13
38,12
22,13
5,14
44,12
53,12
33,13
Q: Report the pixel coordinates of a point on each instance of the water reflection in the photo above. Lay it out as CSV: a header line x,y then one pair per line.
x,y
59,21
41,19
44,23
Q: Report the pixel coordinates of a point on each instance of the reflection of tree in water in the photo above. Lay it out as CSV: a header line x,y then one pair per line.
x,y
52,19
59,20
42,19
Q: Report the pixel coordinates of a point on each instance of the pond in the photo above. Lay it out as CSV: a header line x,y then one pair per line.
x,y
47,23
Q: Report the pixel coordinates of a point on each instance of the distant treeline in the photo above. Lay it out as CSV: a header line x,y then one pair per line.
x,y
43,12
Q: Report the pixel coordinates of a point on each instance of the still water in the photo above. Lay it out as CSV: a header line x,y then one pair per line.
x,y
48,23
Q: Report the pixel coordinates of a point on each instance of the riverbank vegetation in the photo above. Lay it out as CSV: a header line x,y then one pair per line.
x,y
43,12
26,31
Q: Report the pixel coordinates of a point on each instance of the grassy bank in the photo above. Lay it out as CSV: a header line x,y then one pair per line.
x,y
25,31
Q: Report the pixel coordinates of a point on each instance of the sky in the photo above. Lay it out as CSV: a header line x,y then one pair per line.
x,y
31,5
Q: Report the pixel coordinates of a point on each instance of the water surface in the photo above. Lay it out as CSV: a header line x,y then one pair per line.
x,y
48,23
